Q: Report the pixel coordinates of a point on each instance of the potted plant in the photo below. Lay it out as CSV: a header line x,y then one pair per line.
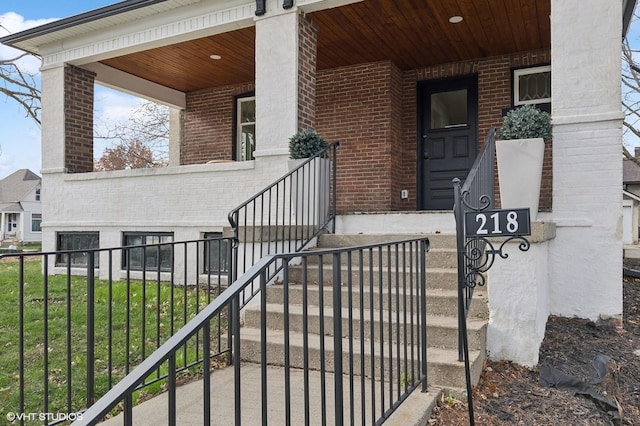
x,y
305,144
520,155
310,183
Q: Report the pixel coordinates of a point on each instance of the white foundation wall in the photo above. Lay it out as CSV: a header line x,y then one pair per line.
x,y
186,200
586,256
585,261
518,304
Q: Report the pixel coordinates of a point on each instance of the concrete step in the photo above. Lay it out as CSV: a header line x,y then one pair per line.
x,y
441,331
436,258
442,278
440,302
443,367
350,240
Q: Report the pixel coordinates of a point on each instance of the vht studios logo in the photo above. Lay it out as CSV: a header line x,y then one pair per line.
x,y
49,417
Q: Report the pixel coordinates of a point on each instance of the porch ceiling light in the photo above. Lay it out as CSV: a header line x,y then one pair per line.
x,y
456,19
215,57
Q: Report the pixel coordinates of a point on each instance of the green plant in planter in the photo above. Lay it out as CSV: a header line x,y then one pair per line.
x,y
305,144
526,122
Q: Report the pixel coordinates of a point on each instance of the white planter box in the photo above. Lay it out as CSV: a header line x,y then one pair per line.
x,y
310,191
520,173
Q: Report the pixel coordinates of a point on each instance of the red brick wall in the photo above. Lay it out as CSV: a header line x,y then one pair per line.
x,y
354,106
78,113
209,123
307,58
494,95
371,110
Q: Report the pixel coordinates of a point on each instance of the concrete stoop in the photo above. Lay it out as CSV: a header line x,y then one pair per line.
x,y
445,374
444,371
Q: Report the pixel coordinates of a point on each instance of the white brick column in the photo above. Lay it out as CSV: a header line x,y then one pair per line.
x,y
53,121
586,255
276,81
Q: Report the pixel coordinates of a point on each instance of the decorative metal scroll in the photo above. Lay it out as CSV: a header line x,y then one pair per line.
x,y
479,251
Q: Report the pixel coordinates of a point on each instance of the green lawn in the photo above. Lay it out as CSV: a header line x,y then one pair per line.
x,y
121,321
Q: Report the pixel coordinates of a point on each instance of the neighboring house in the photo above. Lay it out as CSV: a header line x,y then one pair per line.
x,y
631,199
20,208
409,88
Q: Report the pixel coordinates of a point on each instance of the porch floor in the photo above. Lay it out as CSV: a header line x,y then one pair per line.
x,y
415,410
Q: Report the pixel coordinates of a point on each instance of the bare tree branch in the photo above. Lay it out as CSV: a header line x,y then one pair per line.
x,y
144,135
20,86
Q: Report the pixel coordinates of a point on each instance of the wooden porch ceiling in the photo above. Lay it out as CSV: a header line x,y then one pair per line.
x,y
411,33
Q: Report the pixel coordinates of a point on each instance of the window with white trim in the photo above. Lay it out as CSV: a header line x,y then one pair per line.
x,y
245,127
36,221
532,85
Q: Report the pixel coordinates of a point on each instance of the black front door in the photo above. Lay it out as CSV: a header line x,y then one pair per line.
x,y
447,138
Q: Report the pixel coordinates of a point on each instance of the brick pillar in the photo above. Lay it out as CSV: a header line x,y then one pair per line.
x,y
586,255
78,116
307,58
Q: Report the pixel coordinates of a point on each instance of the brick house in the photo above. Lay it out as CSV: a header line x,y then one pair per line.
x,y
410,89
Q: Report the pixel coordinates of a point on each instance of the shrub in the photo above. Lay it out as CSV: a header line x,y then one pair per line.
x,y
305,144
526,122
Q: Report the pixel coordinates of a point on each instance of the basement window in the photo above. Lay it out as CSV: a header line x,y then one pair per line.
x,y
76,242
532,85
216,253
157,256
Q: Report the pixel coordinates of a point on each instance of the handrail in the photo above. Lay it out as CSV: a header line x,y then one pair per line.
x,y
287,214
126,386
231,296
477,193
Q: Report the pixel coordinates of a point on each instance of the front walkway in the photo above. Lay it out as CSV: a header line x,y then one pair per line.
x,y
415,410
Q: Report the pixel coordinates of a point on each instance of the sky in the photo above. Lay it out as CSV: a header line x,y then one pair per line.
x,y
20,135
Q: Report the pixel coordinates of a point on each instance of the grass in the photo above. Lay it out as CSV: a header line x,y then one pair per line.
x,y
127,315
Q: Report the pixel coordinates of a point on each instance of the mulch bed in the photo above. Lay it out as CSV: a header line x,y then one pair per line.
x,y
596,370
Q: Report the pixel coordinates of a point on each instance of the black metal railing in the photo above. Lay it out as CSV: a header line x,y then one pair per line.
x,y
477,193
352,352
79,321
286,215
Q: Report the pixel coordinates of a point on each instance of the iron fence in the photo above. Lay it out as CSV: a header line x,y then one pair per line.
x,y
77,321
360,332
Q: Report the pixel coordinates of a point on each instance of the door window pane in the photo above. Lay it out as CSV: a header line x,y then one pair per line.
x,y
449,109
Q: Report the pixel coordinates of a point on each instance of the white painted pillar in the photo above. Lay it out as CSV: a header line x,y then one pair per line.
x,y
586,255
53,122
276,81
176,117
53,142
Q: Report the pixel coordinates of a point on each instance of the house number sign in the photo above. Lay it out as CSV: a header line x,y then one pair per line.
x,y
498,223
